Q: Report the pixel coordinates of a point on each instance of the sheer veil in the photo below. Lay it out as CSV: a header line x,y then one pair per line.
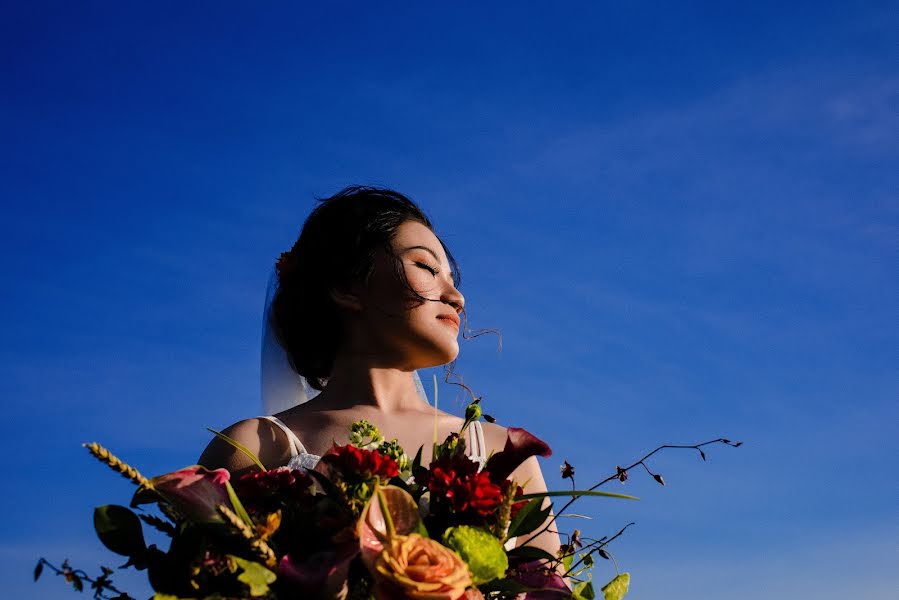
x,y
282,387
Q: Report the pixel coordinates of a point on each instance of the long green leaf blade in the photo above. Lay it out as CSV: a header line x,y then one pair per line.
x,y
239,446
575,493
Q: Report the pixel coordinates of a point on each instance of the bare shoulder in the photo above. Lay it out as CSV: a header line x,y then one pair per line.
x,y
260,436
494,436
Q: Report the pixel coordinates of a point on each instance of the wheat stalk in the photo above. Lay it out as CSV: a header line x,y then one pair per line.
x,y
258,546
114,463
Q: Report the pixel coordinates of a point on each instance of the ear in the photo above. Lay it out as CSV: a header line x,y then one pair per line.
x,y
346,299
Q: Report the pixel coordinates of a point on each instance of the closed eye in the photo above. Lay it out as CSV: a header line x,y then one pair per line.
x,y
431,270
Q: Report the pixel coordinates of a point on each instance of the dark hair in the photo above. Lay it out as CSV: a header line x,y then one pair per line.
x,y
336,247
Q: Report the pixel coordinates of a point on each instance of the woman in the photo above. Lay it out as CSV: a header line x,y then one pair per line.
x,y
366,296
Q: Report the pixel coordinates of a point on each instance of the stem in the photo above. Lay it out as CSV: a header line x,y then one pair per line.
x,y
639,462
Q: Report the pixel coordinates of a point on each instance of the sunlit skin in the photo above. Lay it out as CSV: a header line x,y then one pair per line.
x,y
388,336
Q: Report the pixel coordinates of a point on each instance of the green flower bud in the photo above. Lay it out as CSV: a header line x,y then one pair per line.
x,y
365,435
473,412
396,452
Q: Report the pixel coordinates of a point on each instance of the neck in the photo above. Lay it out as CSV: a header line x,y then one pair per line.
x,y
356,382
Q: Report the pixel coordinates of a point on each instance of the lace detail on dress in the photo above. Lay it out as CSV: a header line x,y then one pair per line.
x,y
304,459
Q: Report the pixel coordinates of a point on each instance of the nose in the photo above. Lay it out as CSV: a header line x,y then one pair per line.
x,y
454,298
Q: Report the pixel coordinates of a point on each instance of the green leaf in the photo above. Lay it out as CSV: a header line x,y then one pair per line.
x,y
584,591
529,518
239,446
566,561
120,530
256,576
576,493
617,588
531,553
239,510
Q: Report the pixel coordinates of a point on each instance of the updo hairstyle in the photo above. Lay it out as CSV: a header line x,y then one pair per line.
x,y
336,248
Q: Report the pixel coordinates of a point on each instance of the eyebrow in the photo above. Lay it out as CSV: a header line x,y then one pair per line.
x,y
434,254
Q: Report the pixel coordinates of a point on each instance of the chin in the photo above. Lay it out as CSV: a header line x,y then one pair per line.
x,y
439,354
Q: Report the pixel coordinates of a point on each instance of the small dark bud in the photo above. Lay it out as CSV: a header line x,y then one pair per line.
x,y
603,554
38,569
658,478
621,474
702,454
737,444
726,441
565,550
488,418
567,470
576,538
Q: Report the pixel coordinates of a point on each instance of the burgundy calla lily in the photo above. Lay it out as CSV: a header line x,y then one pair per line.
x,y
321,575
547,582
520,446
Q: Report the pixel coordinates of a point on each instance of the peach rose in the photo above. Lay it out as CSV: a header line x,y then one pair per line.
x,y
419,568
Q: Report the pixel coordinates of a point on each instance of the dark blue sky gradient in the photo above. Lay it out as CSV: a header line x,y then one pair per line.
x,y
682,218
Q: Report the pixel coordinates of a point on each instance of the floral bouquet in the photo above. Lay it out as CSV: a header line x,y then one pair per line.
x,y
367,522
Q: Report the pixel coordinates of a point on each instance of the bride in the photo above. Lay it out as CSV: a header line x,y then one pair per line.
x,y
366,296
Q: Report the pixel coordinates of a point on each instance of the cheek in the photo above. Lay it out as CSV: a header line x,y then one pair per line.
x,y
421,281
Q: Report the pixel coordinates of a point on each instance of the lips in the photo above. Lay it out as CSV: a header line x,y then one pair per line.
x,y
450,318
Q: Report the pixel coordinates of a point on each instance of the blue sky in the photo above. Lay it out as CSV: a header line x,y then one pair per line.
x,y
682,218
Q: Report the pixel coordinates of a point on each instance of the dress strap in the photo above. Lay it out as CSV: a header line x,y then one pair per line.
x,y
480,447
296,446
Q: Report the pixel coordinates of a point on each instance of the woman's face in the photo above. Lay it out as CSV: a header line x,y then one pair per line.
x,y
414,334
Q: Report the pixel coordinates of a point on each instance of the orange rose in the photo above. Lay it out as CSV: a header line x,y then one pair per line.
x,y
419,568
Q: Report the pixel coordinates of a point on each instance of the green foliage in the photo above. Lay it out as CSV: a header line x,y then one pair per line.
x,y
529,518
254,575
576,493
617,588
584,591
120,530
238,507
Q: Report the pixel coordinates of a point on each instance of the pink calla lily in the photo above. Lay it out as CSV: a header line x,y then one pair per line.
x,y
195,492
372,527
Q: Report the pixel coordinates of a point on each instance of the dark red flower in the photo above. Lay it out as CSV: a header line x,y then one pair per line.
x,y
483,495
358,464
457,479
267,490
